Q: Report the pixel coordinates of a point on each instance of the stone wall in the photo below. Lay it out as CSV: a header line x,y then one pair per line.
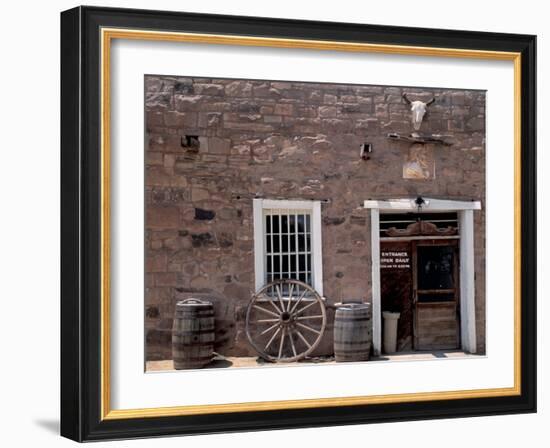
x,y
286,140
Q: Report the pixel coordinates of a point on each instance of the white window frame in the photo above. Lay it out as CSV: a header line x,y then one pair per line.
x,y
313,207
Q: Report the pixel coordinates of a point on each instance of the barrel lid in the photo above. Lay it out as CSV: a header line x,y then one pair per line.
x,y
193,302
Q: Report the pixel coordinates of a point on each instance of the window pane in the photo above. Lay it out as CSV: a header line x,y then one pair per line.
x,y
301,243
301,262
284,224
292,227
301,223
292,243
268,243
284,247
275,219
268,264
308,226
268,223
308,242
275,244
293,263
435,267
276,265
285,264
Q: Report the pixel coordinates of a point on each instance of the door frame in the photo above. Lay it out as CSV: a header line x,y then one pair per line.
x,y
465,211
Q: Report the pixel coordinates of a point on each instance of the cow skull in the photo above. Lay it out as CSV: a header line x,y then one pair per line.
x,y
418,109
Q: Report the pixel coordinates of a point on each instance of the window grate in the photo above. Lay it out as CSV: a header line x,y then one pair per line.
x,y
288,245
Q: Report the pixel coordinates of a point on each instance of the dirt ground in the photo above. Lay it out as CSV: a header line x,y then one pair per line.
x,y
221,362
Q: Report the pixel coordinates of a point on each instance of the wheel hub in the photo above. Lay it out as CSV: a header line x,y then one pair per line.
x,y
286,317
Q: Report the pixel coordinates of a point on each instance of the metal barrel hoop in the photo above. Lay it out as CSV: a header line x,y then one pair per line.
x,y
193,300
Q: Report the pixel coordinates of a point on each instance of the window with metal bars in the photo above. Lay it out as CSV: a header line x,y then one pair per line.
x,y
287,245
288,242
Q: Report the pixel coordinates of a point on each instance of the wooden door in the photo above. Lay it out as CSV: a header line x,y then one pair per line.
x,y
436,295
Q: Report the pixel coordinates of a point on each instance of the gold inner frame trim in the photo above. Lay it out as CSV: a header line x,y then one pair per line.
x,y
107,35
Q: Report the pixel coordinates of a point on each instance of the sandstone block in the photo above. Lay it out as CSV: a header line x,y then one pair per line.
x,y
329,99
156,262
162,217
184,103
208,89
458,98
180,120
283,109
327,111
266,90
253,127
238,88
199,194
218,145
154,158
209,120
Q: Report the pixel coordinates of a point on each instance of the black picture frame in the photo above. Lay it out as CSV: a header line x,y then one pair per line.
x,y
81,379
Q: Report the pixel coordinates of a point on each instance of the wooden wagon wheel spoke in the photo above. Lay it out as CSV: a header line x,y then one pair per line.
x,y
292,344
290,291
304,340
308,337
306,327
301,310
271,313
309,317
267,330
273,304
282,343
285,320
272,338
280,296
298,301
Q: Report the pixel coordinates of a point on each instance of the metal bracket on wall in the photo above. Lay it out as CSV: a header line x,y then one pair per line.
x,y
423,140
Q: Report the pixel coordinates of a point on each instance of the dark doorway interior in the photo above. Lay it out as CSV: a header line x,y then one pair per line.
x,y
396,282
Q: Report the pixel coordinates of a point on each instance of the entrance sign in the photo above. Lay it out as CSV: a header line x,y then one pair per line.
x,y
395,260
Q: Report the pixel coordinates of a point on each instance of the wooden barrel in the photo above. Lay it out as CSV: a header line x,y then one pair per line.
x,y
352,332
193,334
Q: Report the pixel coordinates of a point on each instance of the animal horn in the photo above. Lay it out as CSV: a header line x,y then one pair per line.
x,y
431,101
408,101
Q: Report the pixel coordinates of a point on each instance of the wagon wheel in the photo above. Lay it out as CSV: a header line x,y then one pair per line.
x,y
285,320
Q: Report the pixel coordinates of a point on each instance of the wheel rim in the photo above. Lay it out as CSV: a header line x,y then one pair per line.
x,y
285,320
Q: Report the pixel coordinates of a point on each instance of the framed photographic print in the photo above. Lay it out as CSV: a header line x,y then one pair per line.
x,y
275,224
